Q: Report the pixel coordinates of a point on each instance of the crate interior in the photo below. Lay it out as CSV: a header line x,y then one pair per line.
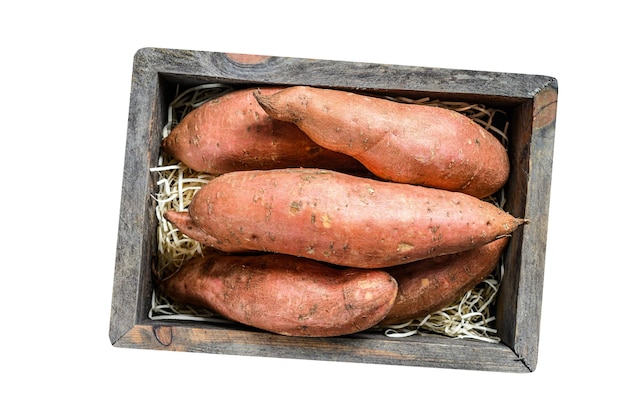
x,y
519,112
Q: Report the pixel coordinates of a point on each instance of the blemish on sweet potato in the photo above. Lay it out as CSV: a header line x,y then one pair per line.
x,y
295,207
405,247
326,221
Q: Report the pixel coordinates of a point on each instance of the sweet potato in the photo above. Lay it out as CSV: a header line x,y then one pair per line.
x,y
339,218
233,133
401,142
284,294
431,284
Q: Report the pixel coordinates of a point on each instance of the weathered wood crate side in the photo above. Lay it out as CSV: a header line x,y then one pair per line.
x,y
531,148
156,73
134,245
426,351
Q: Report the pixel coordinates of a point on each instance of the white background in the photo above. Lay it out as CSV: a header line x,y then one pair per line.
x,y
65,72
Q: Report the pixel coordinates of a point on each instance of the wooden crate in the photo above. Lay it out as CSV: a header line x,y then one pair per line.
x,y
530,102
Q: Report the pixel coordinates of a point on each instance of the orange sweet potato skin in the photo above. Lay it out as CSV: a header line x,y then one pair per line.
x,y
339,218
428,285
233,133
400,142
283,294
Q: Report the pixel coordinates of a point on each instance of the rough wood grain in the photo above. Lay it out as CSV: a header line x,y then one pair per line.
x,y
426,351
519,299
530,101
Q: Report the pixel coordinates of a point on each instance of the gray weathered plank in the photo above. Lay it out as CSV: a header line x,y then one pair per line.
x,y
424,351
